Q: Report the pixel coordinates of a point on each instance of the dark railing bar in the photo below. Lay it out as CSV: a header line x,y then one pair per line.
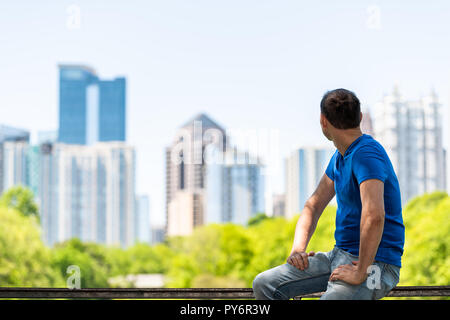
x,y
185,293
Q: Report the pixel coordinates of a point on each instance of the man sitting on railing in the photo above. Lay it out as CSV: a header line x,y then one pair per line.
x,y
369,225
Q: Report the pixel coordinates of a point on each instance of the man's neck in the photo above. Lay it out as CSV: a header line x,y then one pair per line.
x,y
344,140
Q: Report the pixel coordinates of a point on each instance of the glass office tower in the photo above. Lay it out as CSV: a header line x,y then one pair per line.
x,y
112,110
90,110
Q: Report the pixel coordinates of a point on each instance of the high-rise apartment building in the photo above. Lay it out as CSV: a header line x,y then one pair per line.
x,y
13,157
234,188
88,192
90,109
185,173
411,133
304,168
15,165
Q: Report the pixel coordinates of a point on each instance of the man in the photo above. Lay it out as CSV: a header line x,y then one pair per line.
x,y
369,225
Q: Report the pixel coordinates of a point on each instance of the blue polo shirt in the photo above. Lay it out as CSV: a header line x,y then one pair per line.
x,y
366,159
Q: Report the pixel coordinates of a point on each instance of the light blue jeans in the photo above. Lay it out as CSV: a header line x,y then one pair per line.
x,y
286,281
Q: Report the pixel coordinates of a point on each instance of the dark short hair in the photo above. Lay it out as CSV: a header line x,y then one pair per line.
x,y
342,108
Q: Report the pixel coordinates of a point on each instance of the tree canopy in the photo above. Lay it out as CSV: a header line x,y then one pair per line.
x,y
21,199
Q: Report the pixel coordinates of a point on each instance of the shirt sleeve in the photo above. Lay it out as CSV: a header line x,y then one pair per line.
x,y
369,163
331,165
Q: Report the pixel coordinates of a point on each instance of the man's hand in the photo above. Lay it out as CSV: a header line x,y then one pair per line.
x,y
300,259
350,274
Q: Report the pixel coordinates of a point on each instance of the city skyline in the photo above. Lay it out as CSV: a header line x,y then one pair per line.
x,y
268,69
219,184
368,125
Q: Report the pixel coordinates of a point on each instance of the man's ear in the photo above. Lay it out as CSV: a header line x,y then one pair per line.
x,y
360,116
323,120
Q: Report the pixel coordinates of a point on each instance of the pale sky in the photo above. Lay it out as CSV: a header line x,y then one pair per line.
x,y
252,64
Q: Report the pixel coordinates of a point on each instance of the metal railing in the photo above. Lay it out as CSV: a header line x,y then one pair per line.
x,y
186,293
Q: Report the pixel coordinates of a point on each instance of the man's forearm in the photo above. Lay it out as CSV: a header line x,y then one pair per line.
x,y
372,224
304,229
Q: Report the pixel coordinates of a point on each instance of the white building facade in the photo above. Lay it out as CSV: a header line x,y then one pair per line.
x,y
87,192
304,168
411,133
14,145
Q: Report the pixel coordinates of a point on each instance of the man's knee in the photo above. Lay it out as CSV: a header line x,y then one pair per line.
x,y
260,285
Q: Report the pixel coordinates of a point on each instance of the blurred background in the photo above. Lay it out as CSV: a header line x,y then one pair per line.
x,y
174,143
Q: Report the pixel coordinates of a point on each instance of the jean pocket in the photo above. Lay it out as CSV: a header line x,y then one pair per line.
x,y
390,276
394,275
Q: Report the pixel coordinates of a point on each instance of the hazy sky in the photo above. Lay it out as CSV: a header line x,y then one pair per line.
x,y
249,64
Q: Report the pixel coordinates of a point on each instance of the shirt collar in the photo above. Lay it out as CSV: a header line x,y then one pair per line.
x,y
353,144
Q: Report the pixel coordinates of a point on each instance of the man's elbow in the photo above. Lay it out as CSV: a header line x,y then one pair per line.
x,y
310,205
374,217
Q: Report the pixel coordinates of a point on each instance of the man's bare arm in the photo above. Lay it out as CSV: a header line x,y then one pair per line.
x,y
372,221
307,221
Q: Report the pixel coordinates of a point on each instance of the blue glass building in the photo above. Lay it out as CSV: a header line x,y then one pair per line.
x,y
235,189
90,109
112,110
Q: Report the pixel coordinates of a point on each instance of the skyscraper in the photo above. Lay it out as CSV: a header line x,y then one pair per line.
x,y
87,178
411,133
142,227
33,170
88,192
112,110
234,188
304,169
90,109
185,173
15,166
13,156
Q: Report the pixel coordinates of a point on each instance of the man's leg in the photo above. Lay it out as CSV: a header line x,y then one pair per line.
x,y
385,278
286,281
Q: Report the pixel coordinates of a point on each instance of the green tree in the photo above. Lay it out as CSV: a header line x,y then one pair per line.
x,y
21,199
91,258
426,258
217,250
271,241
25,260
257,219
118,261
149,259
